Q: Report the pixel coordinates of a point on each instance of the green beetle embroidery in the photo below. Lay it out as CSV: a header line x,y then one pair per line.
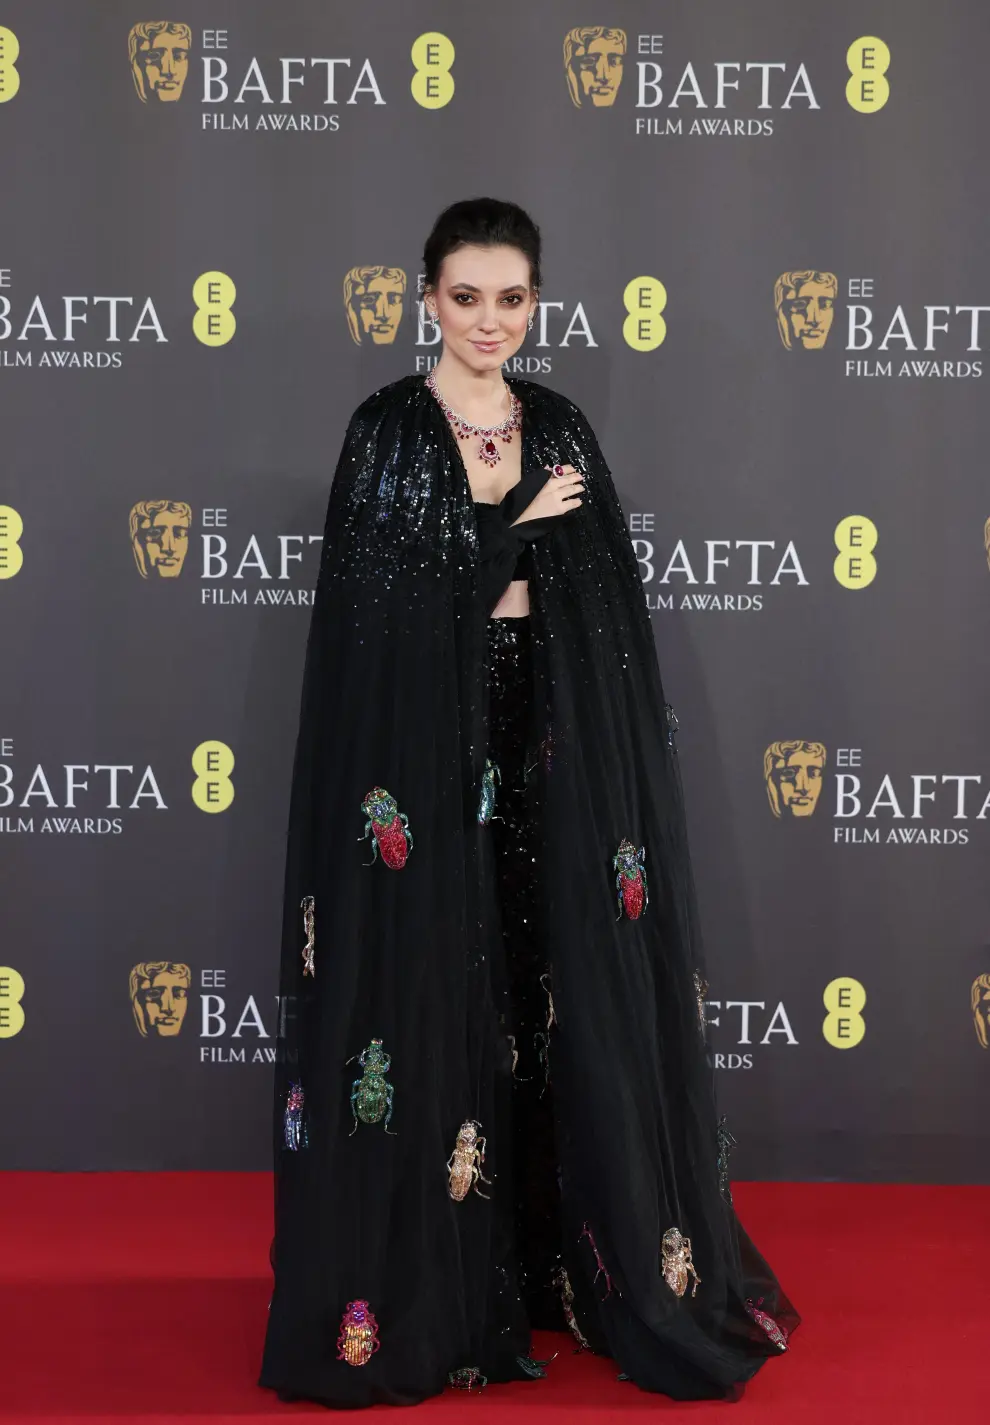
x,y
372,1096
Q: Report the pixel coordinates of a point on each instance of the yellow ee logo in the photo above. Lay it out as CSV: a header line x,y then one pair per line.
x,y
213,763
214,323
11,994
844,1025
11,553
867,89
644,299
10,80
855,539
432,84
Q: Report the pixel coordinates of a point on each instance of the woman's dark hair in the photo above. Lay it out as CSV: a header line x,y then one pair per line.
x,y
483,222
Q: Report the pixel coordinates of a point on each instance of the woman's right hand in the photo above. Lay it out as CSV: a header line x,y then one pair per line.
x,y
560,494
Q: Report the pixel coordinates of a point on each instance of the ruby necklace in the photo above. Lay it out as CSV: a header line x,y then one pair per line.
x,y
488,450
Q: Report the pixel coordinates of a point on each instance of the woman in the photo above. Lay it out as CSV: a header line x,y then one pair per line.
x,y
494,1103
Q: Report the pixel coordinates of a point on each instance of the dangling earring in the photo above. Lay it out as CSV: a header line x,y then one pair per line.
x,y
532,314
430,317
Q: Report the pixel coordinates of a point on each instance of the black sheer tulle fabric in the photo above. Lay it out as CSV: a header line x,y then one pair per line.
x,y
493,957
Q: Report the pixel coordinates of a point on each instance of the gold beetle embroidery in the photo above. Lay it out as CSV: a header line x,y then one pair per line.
x,y
677,1262
464,1163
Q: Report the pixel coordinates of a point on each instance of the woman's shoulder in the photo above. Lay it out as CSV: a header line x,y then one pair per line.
x,y
388,397
542,398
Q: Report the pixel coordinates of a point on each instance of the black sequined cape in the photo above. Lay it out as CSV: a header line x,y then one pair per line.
x,y
394,697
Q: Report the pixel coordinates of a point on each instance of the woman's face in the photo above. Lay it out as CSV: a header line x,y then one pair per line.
x,y
482,302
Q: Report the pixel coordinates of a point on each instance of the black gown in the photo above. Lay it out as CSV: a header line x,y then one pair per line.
x,y
562,1012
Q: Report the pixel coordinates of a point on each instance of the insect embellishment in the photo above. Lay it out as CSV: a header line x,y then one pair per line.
x,y
672,725
677,1263
466,1378
602,1269
371,1095
490,777
465,1162
630,880
308,907
700,994
388,828
776,1332
358,1340
563,1283
296,1136
725,1142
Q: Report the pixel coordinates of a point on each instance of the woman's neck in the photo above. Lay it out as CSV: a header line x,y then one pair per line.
x,y
479,396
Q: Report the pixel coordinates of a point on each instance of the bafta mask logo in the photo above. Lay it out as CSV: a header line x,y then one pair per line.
x,y
980,1002
793,773
593,60
160,537
373,303
159,55
160,997
805,305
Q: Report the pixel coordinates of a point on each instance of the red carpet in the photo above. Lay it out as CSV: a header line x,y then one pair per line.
x,y
142,1297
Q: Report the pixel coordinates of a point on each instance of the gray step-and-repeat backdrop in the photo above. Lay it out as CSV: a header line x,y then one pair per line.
x,y
766,283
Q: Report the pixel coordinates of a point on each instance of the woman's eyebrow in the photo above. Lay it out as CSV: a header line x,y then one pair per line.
x,y
467,287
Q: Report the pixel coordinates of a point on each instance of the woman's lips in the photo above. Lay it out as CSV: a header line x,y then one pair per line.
x,y
487,345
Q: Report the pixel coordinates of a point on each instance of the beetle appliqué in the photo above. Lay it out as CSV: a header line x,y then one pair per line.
x,y
466,1378
465,1162
725,1142
776,1332
630,879
358,1340
388,828
490,777
677,1263
372,1096
700,994
563,1283
296,1135
308,907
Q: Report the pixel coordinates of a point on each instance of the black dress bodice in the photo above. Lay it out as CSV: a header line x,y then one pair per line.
x,y
504,546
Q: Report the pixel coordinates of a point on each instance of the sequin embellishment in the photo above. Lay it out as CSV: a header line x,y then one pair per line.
x,y
388,828
725,1142
677,1262
776,1332
296,1135
465,1162
358,1340
307,906
630,879
672,725
486,805
372,1096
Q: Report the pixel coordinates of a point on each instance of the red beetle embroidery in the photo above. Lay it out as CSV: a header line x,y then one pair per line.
x,y
630,879
388,828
